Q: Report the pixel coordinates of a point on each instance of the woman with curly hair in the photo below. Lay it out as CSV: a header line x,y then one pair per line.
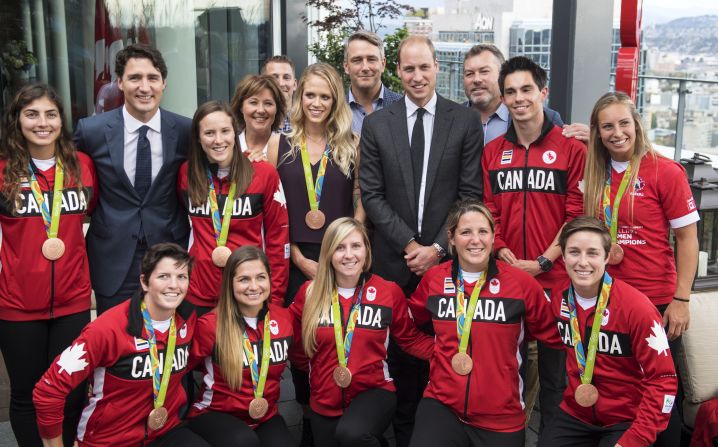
x,y
47,190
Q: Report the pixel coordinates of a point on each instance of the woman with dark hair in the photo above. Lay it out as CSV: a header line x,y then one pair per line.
x,y
135,356
47,191
231,202
345,317
641,197
621,380
243,345
481,309
260,108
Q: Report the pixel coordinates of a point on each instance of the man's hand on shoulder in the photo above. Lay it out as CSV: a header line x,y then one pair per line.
x,y
578,131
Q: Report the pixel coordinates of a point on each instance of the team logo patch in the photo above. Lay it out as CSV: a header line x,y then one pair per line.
x,y
274,327
549,157
183,331
564,309
141,344
604,319
449,285
691,204
657,339
279,196
371,293
494,286
286,251
668,401
71,360
506,156
640,184
581,186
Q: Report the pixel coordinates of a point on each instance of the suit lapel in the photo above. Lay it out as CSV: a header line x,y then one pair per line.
x,y
442,126
115,138
400,136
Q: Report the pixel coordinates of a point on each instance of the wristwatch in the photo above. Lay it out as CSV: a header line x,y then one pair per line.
x,y
544,263
440,252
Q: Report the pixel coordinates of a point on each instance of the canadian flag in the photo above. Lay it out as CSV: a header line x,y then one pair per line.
x,y
108,41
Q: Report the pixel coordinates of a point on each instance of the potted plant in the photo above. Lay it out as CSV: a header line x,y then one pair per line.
x,y
17,59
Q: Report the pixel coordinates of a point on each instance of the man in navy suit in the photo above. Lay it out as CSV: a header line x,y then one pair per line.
x,y
364,63
137,150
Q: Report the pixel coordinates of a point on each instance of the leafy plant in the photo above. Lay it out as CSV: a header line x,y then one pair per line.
x,y
15,55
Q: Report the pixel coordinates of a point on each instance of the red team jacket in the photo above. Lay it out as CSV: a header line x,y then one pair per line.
x,y
662,200
634,370
259,218
533,191
113,353
383,312
511,301
216,394
31,287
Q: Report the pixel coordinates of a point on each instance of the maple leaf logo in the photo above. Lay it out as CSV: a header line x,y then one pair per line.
x,y
279,196
71,359
658,340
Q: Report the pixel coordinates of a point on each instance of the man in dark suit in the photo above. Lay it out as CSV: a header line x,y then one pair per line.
x,y
364,63
137,150
418,156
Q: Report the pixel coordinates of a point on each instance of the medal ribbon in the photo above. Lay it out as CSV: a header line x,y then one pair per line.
x,y
221,225
463,324
259,376
314,189
159,385
611,215
585,361
344,346
52,221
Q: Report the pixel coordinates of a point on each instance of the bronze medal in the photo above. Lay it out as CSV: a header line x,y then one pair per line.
x,y
315,219
157,418
258,408
586,395
462,363
615,256
53,249
220,256
342,376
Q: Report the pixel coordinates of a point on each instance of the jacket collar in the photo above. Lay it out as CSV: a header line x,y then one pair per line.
x,y
135,322
545,129
492,270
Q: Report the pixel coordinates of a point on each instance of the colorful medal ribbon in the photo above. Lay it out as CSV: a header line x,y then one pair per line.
x,y
463,324
52,221
611,215
159,385
585,361
221,225
344,346
314,189
259,376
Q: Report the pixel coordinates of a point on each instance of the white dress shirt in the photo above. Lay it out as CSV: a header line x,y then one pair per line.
x,y
132,133
428,121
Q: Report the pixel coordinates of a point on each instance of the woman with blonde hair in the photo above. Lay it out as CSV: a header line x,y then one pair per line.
x,y
318,162
345,316
243,344
260,108
640,196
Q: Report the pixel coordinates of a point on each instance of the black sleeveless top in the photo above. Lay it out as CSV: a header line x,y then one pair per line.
x,y
336,200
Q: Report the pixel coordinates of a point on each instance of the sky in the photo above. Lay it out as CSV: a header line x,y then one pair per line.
x,y
654,11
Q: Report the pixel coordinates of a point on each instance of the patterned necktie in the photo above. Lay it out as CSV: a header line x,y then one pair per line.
x,y
417,151
143,169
